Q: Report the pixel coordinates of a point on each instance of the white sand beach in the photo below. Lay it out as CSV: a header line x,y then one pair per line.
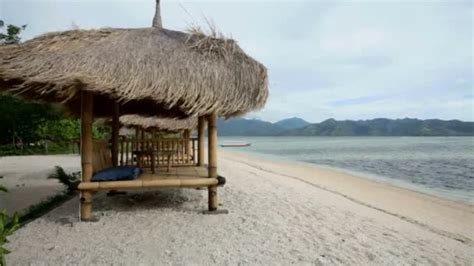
x,y
279,213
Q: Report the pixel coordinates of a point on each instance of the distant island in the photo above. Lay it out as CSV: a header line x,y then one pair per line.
x,y
331,127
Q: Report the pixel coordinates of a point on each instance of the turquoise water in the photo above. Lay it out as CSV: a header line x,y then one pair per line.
x,y
443,166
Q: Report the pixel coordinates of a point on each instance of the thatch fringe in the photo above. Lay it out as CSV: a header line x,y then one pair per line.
x,y
149,71
158,123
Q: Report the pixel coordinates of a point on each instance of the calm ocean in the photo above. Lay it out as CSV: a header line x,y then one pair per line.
x,y
443,166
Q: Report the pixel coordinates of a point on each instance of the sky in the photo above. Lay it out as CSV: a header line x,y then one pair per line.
x,y
326,59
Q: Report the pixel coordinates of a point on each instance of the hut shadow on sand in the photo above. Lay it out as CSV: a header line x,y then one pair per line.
x,y
156,200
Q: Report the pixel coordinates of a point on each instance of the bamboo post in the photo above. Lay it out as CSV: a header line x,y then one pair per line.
x,y
122,151
142,139
86,152
127,146
187,135
201,129
212,159
194,151
115,134
135,143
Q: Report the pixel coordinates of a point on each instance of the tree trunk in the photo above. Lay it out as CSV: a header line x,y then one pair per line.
x,y
14,143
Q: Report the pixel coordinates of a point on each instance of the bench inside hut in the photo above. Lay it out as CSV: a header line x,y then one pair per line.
x,y
184,176
148,151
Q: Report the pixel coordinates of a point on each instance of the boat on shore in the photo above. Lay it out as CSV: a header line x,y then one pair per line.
x,y
235,144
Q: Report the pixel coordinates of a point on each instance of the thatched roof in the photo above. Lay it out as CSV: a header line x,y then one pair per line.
x,y
149,71
158,123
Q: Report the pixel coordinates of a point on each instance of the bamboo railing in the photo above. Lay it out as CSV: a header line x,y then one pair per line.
x,y
183,151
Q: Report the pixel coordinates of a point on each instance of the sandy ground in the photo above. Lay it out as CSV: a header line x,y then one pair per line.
x,y
279,214
26,179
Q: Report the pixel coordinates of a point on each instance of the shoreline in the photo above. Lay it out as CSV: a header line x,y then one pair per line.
x,y
440,215
432,192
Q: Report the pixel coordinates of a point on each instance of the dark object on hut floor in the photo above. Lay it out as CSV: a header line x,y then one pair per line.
x,y
117,173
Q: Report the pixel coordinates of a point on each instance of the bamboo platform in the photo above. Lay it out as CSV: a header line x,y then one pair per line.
x,y
191,177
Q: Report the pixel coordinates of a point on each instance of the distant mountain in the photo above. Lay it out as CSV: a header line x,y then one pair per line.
x,y
292,123
256,127
331,127
385,127
247,127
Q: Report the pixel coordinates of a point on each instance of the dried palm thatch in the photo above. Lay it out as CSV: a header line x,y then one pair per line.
x,y
166,124
149,71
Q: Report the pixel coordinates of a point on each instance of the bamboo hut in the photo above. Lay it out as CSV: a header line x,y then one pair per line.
x,y
146,71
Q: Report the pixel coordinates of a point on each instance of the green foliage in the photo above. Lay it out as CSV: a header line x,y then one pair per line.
x,y
64,129
8,225
12,34
71,181
6,229
33,128
100,131
19,119
53,148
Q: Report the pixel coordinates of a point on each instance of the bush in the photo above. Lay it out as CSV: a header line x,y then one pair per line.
x,y
39,149
71,181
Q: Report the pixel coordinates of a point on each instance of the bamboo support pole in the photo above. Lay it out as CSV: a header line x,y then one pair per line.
x,y
212,159
194,151
201,131
127,144
115,134
142,139
135,143
122,151
86,152
187,137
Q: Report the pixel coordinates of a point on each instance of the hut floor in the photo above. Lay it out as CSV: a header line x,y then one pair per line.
x,y
177,172
183,176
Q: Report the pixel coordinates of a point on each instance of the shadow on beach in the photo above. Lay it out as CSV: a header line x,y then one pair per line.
x,y
139,201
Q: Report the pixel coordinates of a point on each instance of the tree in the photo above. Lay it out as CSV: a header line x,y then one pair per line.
x,y
23,122
19,119
12,34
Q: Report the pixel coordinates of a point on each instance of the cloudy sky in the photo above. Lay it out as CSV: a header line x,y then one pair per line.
x,y
326,59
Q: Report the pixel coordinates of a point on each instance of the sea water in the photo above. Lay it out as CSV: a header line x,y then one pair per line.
x,y
443,166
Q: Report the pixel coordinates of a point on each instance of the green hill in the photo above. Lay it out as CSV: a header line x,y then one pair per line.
x,y
385,127
331,127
